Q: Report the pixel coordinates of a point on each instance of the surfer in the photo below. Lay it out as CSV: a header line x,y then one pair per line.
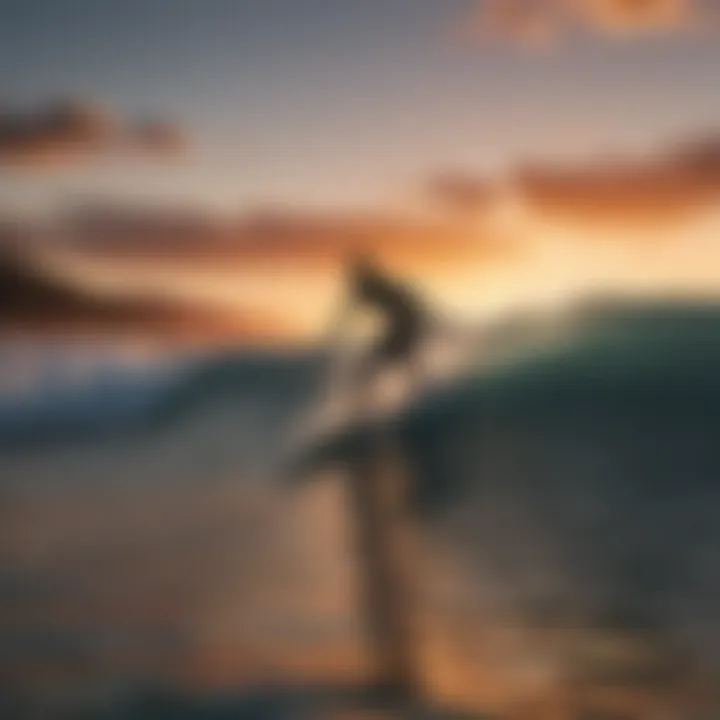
x,y
380,485
404,319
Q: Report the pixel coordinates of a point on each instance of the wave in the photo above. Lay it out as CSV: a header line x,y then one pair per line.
x,y
580,485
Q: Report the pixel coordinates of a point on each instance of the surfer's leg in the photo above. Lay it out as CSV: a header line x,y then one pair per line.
x,y
365,379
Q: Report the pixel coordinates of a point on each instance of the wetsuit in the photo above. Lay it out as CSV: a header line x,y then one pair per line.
x,y
403,315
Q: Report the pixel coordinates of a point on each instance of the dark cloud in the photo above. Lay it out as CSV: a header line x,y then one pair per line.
x,y
69,132
34,300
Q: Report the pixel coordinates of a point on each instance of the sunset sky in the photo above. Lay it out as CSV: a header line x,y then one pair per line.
x,y
554,138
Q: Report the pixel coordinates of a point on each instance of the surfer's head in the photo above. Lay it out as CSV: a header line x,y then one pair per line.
x,y
361,269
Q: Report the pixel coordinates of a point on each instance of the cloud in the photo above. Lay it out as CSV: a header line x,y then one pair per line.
x,y
276,268
272,238
69,132
667,187
271,274
638,15
159,136
539,23
33,299
459,192
533,23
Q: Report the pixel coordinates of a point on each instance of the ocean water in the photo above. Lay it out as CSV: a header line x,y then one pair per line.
x,y
568,498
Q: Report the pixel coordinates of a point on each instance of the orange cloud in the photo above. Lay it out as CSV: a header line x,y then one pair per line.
x,y
304,241
69,132
638,15
667,187
538,23
132,266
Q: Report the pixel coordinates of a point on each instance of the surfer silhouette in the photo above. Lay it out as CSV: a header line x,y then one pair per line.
x,y
402,314
380,485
